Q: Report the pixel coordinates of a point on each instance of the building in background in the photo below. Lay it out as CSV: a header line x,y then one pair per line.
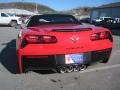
x,y
108,10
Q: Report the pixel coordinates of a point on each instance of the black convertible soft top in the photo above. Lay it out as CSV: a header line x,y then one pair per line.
x,y
37,20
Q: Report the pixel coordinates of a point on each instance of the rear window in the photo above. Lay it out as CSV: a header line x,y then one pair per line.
x,y
51,19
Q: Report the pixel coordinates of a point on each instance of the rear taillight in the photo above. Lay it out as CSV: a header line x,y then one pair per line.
x,y
104,35
101,35
32,38
94,36
42,39
38,39
48,39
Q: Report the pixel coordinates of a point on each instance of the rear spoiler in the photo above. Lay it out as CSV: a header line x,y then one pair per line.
x,y
72,30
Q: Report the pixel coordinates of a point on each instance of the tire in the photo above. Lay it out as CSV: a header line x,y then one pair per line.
x,y
13,23
24,68
105,60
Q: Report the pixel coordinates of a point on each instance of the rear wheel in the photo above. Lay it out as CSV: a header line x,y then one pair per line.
x,y
13,23
105,60
24,67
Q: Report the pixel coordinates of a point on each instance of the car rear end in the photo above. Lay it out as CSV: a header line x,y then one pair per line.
x,y
65,50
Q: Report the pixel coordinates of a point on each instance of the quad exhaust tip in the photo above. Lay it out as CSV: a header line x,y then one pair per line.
x,y
76,68
62,69
71,68
83,67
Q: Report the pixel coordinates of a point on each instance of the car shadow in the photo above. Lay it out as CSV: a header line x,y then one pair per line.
x,y
8,58
44,72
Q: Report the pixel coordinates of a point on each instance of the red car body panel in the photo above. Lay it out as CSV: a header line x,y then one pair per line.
x,y
65,41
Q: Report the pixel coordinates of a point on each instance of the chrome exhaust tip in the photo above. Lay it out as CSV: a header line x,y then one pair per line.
x,y
70,69
76,68
62,69
83,67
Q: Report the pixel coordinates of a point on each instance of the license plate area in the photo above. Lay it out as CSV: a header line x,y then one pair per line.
x,y
77,58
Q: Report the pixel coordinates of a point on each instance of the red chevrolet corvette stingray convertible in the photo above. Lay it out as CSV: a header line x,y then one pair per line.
x,y
60,42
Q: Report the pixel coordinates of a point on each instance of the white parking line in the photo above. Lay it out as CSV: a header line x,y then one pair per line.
x,y
101,68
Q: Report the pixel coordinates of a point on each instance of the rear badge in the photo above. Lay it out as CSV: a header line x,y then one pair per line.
x,y
74,39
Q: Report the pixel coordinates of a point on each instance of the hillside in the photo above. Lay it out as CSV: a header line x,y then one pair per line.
x,y
80,11
27,6
110,5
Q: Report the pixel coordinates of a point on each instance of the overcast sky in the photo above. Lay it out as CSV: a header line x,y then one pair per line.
x,y
66,4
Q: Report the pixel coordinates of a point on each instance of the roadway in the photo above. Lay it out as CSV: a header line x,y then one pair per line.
x,y
96,77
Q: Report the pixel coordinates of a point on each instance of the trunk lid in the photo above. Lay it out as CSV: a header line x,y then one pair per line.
x,y
70,38
60,28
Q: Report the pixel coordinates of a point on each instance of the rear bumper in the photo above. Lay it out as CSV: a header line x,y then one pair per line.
x,y
51,61
101,54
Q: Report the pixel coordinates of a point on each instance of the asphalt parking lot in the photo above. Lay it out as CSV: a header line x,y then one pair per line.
x,y
96,77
